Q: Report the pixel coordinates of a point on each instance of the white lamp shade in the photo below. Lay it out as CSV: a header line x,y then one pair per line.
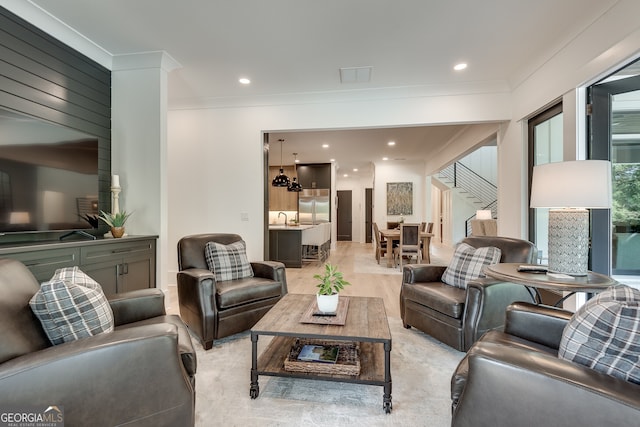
x,y
573,184
483,214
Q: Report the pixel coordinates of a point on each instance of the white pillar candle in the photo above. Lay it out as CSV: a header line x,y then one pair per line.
x,y
115,181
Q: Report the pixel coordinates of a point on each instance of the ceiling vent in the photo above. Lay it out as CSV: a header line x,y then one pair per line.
x,y
355,75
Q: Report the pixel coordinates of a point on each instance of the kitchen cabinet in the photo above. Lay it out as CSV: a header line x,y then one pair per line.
x,y
280,199
119,265
314,175
285,246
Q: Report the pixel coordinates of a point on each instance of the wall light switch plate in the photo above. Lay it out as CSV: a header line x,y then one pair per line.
x,y
244,216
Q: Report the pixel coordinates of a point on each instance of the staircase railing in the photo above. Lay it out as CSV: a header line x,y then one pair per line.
x,y
493,207
476,186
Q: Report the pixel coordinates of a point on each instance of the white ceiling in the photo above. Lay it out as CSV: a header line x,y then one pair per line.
x,y
296,47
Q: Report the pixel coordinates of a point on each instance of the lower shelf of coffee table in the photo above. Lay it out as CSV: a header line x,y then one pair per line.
x,y
271,362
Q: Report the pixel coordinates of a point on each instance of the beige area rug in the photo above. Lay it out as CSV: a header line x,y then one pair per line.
x,y
367,264
421,369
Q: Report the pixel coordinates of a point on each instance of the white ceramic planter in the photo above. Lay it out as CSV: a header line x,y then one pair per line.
x,y
327,303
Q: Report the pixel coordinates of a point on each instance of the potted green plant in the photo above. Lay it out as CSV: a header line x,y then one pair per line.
x,y
116,221
329,286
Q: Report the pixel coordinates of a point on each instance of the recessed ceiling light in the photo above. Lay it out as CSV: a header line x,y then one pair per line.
x,y
244,80
325,145
461,66
345,175
385,158
332,160
391,143
355,169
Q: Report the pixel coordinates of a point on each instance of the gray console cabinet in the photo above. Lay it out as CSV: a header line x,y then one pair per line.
x,y
119,265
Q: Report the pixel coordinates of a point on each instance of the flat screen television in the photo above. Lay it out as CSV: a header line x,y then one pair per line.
x,y
48,176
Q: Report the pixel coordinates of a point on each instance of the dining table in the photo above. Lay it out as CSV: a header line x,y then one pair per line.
x,y
393,235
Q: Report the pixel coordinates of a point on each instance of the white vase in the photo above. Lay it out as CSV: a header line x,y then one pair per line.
x,y
327,303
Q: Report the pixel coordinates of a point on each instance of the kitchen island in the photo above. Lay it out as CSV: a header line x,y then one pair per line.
x,y
291,245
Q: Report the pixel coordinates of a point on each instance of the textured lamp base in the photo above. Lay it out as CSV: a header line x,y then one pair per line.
x,y
569,241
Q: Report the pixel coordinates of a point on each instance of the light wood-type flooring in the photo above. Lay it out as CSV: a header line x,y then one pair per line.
x,y
357,263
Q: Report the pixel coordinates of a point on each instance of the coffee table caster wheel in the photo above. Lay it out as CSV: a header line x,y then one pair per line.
x,y
387,407
254,391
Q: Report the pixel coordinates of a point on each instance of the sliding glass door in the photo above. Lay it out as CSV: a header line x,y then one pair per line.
x,y
615,136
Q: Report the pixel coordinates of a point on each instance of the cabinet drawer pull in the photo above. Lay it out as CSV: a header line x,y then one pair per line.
x,y
120,251
122,269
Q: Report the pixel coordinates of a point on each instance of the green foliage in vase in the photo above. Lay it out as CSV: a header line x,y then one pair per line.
x,y
115,220
331,281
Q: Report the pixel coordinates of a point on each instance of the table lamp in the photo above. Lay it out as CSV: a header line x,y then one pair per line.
x,y
569,188
483,214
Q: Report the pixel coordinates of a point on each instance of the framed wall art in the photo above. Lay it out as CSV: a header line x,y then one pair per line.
x,y
399,198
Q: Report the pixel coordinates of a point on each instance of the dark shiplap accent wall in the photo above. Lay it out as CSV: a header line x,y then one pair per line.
x,y
44,78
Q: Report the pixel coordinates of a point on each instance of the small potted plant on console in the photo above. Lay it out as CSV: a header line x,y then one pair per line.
x,y
329,286
116,221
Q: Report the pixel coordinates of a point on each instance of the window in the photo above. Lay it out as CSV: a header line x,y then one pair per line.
x,y
545,146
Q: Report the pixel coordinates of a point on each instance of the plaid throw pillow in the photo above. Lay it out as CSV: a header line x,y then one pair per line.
x,y
467,264
228,262
604,334
71,306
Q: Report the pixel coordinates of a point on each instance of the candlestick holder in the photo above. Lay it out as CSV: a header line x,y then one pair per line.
x,y
115,205
115,196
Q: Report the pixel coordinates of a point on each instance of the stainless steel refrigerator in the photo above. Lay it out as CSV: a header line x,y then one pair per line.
x,y
314,206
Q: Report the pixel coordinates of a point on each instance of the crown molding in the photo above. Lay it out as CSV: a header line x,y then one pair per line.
x,y
144,60
405,92
57,29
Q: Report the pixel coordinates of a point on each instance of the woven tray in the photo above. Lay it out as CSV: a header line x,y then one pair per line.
x,y
348,362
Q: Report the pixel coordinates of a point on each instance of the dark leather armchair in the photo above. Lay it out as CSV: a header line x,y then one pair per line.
x,y
514,377
141,374
455,316
213,309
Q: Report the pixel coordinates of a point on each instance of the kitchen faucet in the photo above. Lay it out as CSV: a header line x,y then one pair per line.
x,y
285,217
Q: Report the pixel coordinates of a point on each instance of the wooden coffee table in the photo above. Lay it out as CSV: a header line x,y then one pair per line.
x,y
366,323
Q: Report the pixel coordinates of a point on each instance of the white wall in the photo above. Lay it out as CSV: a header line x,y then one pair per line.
x,y
483,161
400,172
139,146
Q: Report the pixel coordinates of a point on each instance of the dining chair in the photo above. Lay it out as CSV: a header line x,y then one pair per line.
x,y
426,244
409,245
381,245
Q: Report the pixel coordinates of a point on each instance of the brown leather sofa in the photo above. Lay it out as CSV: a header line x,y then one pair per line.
x,y
141,374
455,316
213,310
514,378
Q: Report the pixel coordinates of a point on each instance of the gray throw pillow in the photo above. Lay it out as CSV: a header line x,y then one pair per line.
x,y
71,306
467,264
604,334
228,262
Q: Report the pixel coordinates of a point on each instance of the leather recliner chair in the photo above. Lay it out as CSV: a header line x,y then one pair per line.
x,y
141,374
456,316
212,309
514,377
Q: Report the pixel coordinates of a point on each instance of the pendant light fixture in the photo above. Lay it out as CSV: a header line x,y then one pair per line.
x,y
281,180
295,185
